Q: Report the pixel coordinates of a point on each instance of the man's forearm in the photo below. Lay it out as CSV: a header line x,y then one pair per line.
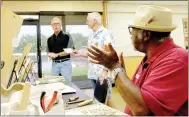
x,y
62,54
48,54
131,94
84,54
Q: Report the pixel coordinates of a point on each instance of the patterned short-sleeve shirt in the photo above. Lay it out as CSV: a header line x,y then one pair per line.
x,y
99,38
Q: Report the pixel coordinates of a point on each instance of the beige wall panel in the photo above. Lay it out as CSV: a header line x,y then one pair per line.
x,y
175,6
178,34
36,6
120,14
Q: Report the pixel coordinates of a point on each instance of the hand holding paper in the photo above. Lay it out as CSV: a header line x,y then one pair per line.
x,y
68,50
52,55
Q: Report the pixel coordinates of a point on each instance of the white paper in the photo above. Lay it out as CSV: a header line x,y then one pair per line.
x,y
37,103
5,108
68,50
94,109
58,109
49,88
49,80
73,113
68,89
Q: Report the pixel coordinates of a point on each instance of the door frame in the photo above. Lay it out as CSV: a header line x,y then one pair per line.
x,y
37,24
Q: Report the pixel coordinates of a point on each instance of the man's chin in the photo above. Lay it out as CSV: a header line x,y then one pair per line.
x,y
89,27
138,49
135,47
57,31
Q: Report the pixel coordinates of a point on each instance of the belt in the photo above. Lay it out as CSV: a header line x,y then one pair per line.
x,y
59,61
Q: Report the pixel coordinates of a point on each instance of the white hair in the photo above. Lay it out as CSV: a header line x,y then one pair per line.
x,y
96,16
56,20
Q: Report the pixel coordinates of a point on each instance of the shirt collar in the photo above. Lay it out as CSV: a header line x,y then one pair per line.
x,y
99,30
61,32
166,45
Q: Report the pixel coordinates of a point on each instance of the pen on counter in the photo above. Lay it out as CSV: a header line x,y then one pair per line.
x,y
73,98
73,102
85,102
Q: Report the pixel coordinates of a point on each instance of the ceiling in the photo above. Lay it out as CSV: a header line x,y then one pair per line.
x,y
184,3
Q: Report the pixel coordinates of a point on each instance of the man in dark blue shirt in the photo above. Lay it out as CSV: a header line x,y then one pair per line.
x,y
56,44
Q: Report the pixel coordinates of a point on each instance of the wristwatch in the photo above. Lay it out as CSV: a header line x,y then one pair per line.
x,y
115,72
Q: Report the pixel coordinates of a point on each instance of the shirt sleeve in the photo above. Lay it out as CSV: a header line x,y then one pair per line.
x,y
108,38
109,91
165,90
70,42
47,49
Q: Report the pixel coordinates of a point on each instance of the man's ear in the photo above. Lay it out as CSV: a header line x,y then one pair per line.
x,y
149,34
146,35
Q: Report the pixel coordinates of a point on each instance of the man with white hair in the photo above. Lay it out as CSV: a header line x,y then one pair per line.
x,y
100,37
160,84
56,44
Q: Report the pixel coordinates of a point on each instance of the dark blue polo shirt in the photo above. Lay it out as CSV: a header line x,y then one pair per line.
x,y
57,43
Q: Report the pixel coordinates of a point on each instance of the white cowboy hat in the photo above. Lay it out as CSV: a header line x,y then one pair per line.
x,y
153,18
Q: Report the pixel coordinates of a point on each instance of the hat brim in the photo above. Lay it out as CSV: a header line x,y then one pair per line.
x,y
153,28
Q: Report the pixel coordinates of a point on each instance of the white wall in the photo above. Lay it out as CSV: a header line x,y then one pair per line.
x,y
36,6
120,13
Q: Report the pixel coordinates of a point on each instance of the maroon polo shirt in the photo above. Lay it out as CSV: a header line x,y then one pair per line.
x,y
163,80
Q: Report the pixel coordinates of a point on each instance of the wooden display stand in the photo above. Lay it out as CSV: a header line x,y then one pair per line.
x,y
12,70
17,94
21,98
20,68
10,27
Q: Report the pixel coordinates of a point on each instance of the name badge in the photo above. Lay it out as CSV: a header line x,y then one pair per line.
x,y
137,76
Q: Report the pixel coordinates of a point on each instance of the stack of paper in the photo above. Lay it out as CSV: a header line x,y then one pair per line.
x,y
49,88
68,89
95,109
50,79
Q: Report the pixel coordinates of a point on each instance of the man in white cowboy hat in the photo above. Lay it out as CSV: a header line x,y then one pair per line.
x,y
160,83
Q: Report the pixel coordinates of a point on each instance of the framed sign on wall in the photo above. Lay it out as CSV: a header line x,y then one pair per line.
x,y
185,29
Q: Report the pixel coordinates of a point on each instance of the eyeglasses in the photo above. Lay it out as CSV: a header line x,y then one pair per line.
x,y
130,29
56,24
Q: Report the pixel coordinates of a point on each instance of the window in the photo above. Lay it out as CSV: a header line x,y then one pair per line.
x,y
80,35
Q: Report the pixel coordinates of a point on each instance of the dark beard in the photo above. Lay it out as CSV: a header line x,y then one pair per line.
x,y
140,46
